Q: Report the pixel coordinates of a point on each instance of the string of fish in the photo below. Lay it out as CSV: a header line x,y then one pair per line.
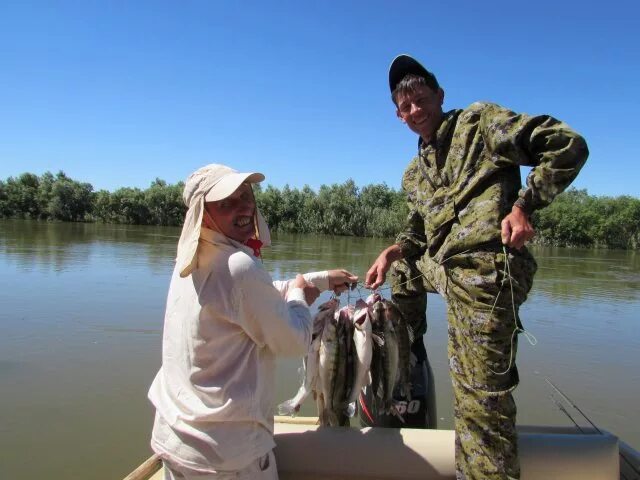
x,y
518,327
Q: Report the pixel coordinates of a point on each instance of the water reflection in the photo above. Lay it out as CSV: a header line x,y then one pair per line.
x,y
563,274
59,246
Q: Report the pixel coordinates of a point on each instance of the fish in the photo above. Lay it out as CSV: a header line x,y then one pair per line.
x,y
377,335
404,336
327,371
363,343
326,311
390,359
344,368
310,363
310,367
352,348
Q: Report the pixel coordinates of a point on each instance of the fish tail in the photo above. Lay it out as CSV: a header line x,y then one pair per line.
x,y
351,409
289,407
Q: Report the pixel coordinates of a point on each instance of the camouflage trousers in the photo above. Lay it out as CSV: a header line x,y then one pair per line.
x,y
483,291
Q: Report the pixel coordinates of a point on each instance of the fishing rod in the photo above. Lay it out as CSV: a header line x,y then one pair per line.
x,y
570,402
566,412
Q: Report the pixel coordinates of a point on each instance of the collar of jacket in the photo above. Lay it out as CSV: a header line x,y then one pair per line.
x,y
216,238
448,121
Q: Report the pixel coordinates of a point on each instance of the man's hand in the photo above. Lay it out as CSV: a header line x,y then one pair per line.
x,y
340,280
517,229
378,271
311,292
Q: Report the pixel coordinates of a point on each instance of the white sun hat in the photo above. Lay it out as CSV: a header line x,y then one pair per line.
x,y
209,184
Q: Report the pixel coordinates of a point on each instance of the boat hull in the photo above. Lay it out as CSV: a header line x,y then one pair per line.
x,y
307,451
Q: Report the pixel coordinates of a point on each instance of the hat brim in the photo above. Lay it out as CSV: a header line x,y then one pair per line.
x,y
403,65
230,183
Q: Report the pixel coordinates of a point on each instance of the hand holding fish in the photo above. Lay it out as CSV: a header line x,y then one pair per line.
x,y
378,271
311,292
340,280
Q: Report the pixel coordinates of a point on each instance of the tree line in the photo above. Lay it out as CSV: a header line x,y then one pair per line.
x,y
575,218
58,197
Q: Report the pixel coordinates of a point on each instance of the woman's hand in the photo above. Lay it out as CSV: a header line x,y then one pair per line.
x,y
311,292
340,280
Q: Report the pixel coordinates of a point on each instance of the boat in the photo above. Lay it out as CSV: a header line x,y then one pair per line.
x,y
306,451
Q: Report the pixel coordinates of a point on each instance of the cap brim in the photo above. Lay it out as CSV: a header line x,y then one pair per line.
x,y
230,183
403,65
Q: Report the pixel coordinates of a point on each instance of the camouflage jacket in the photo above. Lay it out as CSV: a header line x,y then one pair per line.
x,y
463,183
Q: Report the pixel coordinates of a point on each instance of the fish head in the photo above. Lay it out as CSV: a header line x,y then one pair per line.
x,y
377,314
325,315
331,304
392,312
360,314
373,298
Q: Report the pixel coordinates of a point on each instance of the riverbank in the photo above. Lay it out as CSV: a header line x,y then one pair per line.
x,y
574,219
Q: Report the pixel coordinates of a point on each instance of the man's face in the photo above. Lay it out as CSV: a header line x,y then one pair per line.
x,y
234,215
421,110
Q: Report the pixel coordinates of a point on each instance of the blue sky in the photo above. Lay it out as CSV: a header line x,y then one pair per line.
x,y
117,93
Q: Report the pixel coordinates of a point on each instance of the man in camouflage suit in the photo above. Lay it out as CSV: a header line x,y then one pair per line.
x,y
468,223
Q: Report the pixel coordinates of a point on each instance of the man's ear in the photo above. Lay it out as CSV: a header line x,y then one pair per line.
x,y
441,95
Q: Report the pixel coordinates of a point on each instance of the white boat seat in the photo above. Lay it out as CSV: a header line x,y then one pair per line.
x,y
323,453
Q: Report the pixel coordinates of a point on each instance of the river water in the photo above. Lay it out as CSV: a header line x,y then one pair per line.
x,y
81,325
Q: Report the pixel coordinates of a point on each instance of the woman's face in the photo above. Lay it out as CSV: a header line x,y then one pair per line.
x,y
233,216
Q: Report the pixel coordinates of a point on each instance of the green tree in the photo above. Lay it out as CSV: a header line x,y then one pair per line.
x,y
164,203
384,210
127,205
22,196
6,209
340,212
270,203
45,194
102,209
70,201
310,216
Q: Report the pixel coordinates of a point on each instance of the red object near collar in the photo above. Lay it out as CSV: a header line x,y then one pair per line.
x,y
255,244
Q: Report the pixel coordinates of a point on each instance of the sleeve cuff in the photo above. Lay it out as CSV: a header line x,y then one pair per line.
x,y
319,279
408,248
296,295
525,206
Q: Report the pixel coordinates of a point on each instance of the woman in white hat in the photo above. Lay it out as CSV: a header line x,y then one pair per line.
x,y
225,322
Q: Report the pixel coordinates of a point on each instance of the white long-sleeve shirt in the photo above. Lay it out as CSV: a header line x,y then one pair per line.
x,y
224,325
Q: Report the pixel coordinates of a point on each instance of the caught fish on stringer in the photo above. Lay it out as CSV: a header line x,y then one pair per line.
x,y
366,345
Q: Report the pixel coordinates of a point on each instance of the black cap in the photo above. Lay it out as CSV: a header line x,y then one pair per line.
x,y
404,65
